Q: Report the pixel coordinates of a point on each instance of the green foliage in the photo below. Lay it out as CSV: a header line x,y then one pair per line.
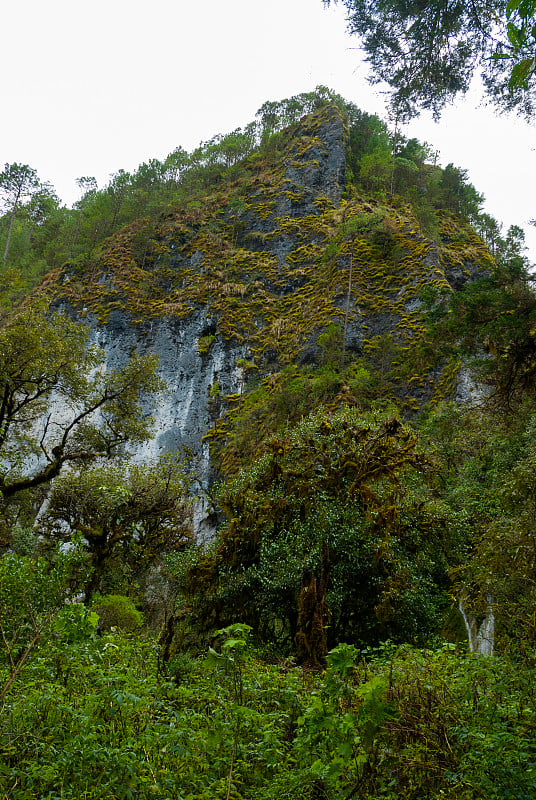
x,y
456,194
324,526
287,397
521,45
117,611
46,357
32,594
205,343
486,473
498,312
91,718
128,514
74,623
18,182
427,53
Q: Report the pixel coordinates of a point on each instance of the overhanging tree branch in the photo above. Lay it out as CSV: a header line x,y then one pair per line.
x,y
47,366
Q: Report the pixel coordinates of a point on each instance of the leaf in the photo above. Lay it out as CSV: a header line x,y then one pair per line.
x,y
514,34
214,658
342,657
526,8
230,644
520,73
93,618
318,769
511,6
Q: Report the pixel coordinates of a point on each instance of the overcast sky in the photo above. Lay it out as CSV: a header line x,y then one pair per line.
x,y
91,88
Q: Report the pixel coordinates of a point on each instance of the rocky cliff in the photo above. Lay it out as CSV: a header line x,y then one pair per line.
x,y
282,264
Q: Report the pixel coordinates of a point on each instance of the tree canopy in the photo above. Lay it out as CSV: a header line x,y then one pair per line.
x,y
56,405
18,182
330,508
428,52
126,510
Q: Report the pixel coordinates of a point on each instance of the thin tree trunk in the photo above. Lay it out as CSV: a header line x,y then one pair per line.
x,y
393,164
16,667
75,234
347,305
11,221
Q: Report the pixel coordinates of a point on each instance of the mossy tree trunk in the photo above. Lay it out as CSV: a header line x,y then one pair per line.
x,y
313,614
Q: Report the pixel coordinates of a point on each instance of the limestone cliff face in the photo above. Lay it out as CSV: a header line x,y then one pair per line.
x,y
246,281
181,412
198,364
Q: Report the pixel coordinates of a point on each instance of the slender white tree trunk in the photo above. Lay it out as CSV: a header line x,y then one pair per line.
x,y
11,221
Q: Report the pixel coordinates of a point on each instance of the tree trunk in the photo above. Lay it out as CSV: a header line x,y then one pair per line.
x,y
313,615
11,221
98,561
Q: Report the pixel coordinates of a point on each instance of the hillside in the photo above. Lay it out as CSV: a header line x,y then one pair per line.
x,y
287,264
271,401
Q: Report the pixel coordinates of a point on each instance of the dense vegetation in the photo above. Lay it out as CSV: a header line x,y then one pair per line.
x,y
428,52
369,525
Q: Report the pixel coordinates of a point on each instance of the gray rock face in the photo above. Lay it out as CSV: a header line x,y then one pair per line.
x,y
319,168
316,168
181,412
280,253
467,390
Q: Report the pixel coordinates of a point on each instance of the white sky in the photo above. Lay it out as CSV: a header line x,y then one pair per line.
x,y
90,88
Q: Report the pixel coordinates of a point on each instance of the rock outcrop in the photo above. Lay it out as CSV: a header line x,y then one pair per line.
x,y
246,282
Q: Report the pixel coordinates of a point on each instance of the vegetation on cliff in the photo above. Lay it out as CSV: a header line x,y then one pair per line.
x,y
358,502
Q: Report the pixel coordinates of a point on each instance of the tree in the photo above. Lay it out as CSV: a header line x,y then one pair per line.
x,y
456,194
88,186
18,182
376,167
504,564
493,319
427,52
487,472
57,405
174,165
490,230
135,511
327,539
32,594
521,32
116,192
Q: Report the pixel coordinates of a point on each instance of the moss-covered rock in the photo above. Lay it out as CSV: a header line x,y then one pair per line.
x,y
268,259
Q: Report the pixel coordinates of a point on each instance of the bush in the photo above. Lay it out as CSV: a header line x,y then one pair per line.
x,y
117,611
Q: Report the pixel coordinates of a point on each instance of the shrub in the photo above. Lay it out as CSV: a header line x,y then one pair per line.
x,y
117,611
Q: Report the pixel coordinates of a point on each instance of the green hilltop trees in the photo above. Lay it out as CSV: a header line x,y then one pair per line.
x,y
18,182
